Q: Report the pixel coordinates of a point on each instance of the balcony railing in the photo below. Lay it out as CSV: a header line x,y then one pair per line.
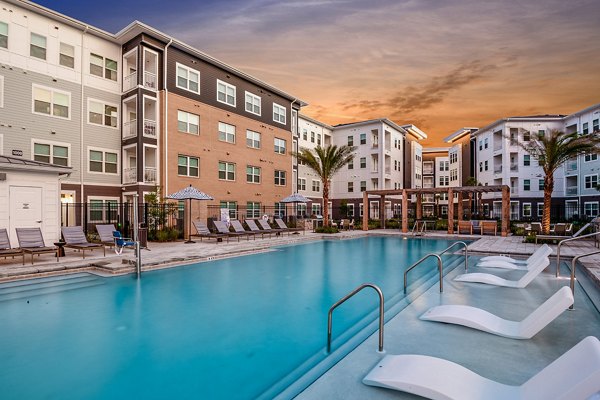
x,y
388,170
130,81
514,167
149,128
129,175
571,190
150,175
497,146
427,171
150,80
498,170
129,129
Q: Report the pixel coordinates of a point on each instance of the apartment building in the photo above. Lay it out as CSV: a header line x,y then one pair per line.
x,y
436,173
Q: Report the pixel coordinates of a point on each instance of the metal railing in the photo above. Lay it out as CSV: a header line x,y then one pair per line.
x,y
349,295
466,251
440,267
150,80
129,129
573,273
130,81
149,128
571,239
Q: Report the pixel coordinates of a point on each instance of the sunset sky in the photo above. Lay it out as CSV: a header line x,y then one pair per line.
x,y
438,64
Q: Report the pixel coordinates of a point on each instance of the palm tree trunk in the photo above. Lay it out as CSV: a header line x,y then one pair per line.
x,y
325,203
548,188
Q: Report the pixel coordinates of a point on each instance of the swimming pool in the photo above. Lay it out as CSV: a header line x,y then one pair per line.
x,y
229,329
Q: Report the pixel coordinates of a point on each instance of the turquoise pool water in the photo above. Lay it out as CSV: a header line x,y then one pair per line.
x,y
226,329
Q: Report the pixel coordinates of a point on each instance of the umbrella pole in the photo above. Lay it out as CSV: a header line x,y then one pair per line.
x,y
190,224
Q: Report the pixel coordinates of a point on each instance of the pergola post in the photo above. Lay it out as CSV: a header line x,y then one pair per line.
x,y
460,206
382,211
404,212
505,209
450,211
365,216
419,206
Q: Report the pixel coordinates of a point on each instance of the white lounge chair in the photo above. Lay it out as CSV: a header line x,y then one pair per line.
x,y
482,320
533,271
511,263
574,375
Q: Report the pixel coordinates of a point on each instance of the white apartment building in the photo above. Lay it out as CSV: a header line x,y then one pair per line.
x,y
436,173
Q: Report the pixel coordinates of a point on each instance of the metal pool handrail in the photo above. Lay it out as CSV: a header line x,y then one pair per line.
x,y
573,273
466,251
440,267
342,300
569,240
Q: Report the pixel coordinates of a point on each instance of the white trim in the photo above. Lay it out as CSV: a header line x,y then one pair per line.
x,y
188,166
592,203
52,91
187,122
104,151
1,143
104,103
188,69
254,97
530,209
52,144
2,91
279,112
584,182
227,86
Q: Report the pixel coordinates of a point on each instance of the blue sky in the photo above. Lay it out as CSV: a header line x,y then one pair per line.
x,y
440,64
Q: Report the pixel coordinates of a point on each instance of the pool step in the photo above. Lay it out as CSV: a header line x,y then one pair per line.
x,y
37,287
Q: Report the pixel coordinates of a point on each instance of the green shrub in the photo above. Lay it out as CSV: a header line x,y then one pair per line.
x,y
166,235
326,229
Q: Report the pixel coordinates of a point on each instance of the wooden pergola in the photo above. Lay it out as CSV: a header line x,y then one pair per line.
x,y
406,193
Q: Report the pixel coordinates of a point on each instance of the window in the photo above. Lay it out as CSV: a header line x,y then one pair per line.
x,y
351,210
527,160
231,206
351,164
585,129
226,171
526,184
318,139
103,67
188,122
541,134
279,146
1,95
252,209
526,136
540,209
590,157
100,113
480,145
454,174
316,186
363,138
103,161
453,157
485,165
485,143
253,139
304,134
252,174
51,102
103,210
67,55
279,113
350,187
188,166
350,140
590,209
444,180
37,46
279,178
591,181
316,209
527,209
188,78
312,137
595,123
363,186
51,153
226,132
4,35
253,103
225,93
540,184
363,162
301,184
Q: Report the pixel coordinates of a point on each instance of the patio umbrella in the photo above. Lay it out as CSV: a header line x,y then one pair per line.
x,y
296,198
190,193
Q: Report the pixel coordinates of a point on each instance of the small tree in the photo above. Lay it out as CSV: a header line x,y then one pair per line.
x,y
553,150
326,162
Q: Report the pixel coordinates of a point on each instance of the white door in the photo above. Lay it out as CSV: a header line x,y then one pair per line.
x,y
25,209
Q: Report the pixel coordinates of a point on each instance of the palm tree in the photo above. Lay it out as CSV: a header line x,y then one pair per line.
x,y
326,162
553,150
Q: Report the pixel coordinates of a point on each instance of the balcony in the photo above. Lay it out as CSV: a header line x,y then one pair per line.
x,y
571,165
514,167
427,171
150,175
129,175
388,170
498,169
150,80
571,190
150,128
130,81
129,129
497,145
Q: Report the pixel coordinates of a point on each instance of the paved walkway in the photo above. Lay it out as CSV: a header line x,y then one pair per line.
x,y
166,254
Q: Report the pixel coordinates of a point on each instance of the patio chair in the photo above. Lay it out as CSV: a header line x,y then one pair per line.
x,y
482,320
202,231
536,227
465,227
351,224
31,241
75,239
105,233
476,224
534,270
561,231
224,229
121,242
574,375
289,230
5,248
238,227
489,227
254,228
510,263
264,225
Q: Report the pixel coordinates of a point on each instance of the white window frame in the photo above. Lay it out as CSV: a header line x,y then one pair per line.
x,y
540,209
181,113
279,113
103,151
104,67
251,139
350,209
223,128
104,200
228,86
253,173
2,92
350,187
585,183
45,45
315,185
253,98
591,203
187,78
524,207
104,104
187,175
277,146
279,176
60,54
253,209
227,172
590,157
7,29
301,183
51,144
52,91
527,180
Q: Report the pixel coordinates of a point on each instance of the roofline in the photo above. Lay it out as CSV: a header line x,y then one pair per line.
x,y
436,149
416,132
31,165
372,121
314,121
590,108
517,119
459,134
